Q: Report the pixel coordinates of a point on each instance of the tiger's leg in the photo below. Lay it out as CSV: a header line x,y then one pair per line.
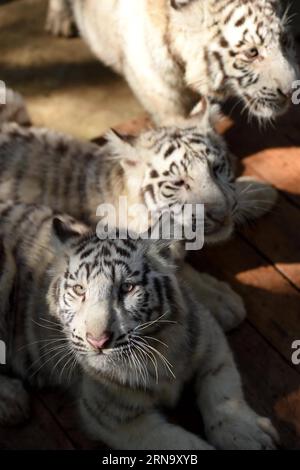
x,y
60,20
218,297
229,421
124,423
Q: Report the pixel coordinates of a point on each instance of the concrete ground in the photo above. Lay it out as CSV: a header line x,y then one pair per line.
x,y
65,86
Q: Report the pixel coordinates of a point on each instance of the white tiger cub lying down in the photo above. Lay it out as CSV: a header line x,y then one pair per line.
x,y
110,316
159,168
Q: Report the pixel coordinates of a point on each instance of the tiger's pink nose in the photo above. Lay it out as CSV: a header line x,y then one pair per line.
x,y
101,342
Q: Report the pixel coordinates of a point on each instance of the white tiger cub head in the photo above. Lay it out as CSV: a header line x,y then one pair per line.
x,y
177,166
245,50
110,297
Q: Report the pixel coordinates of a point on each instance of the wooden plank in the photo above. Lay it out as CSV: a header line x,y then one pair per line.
x,y
40,432
248,138
272,153
135,126
272,303
277,237
280,167
271,386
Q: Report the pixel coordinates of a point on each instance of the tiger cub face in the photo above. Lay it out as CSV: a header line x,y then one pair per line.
x,y
248,53
178,166
111,296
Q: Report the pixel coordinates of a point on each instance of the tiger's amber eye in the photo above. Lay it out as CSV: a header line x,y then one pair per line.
x,y
180,183
127,287
252,53
79,290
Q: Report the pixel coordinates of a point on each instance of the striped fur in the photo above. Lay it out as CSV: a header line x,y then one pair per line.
x,y
14,109
159,168
180,49
70,287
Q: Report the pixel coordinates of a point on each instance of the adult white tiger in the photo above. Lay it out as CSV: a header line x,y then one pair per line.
x,y
172,51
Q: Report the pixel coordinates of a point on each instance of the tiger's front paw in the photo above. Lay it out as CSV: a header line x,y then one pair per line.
x,y
240,428
14,402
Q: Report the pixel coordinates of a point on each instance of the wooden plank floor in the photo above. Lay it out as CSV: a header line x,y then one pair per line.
x,y
263,264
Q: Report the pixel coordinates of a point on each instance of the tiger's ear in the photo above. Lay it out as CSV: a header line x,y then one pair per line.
x,y
204,114
66,230
122,148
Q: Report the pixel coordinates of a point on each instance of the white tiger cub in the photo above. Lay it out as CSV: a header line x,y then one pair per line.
x,y
119,328
173,51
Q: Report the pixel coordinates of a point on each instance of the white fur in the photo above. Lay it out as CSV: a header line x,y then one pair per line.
x,y
167,54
